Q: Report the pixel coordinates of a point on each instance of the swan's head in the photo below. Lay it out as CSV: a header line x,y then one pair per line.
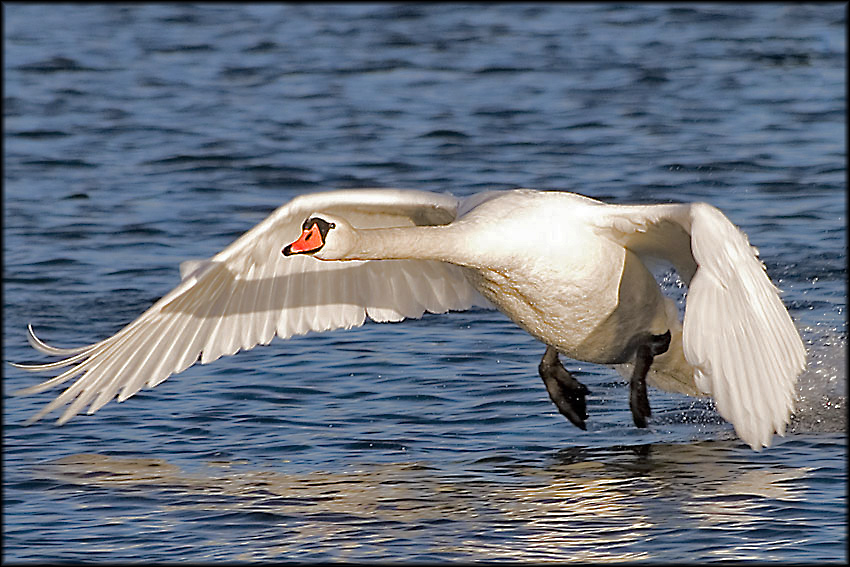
x,y
324,237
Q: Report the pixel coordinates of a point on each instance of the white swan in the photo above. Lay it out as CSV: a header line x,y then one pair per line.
x,y
566,268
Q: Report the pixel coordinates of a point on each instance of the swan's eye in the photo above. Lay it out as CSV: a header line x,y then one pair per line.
x,y
324,225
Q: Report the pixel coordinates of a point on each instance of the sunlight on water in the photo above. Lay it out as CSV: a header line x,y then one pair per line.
x,y
577,511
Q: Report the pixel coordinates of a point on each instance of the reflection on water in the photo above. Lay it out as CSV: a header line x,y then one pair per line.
x,y
580,505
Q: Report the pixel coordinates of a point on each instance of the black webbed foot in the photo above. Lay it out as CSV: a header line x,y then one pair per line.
x,y
638,399
567,393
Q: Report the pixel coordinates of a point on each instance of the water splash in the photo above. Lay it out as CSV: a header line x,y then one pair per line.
x,y
822,388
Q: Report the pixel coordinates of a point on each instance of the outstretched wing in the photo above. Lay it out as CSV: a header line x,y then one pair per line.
x,y
249,292
737,334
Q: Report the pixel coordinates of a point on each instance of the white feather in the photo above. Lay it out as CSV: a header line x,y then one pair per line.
x,y
248,292
558,264
738,336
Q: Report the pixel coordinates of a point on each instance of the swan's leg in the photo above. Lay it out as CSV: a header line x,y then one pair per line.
x,y
646,351
567,392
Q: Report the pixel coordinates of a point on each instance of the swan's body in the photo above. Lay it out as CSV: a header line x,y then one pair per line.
x,y
567,269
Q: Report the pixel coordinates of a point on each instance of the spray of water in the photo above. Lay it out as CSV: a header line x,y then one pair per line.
x,y
822,388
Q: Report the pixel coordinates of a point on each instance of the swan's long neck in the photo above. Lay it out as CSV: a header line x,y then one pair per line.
x,y
441,243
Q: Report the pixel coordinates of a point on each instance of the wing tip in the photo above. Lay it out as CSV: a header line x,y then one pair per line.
x,y
45,348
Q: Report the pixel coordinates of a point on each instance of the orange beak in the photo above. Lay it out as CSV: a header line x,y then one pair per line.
x,y
310,241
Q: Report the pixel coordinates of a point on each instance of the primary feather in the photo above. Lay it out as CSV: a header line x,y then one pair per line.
x,y
248,293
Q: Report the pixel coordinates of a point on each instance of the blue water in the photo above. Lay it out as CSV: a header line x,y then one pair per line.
x,y
137,136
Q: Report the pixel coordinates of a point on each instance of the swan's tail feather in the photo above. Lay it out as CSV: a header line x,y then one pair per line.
x,y
671,372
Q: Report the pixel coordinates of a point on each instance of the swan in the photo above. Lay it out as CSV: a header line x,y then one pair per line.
x,y
569,270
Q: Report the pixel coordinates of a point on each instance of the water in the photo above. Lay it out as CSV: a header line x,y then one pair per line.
x,y
137,136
